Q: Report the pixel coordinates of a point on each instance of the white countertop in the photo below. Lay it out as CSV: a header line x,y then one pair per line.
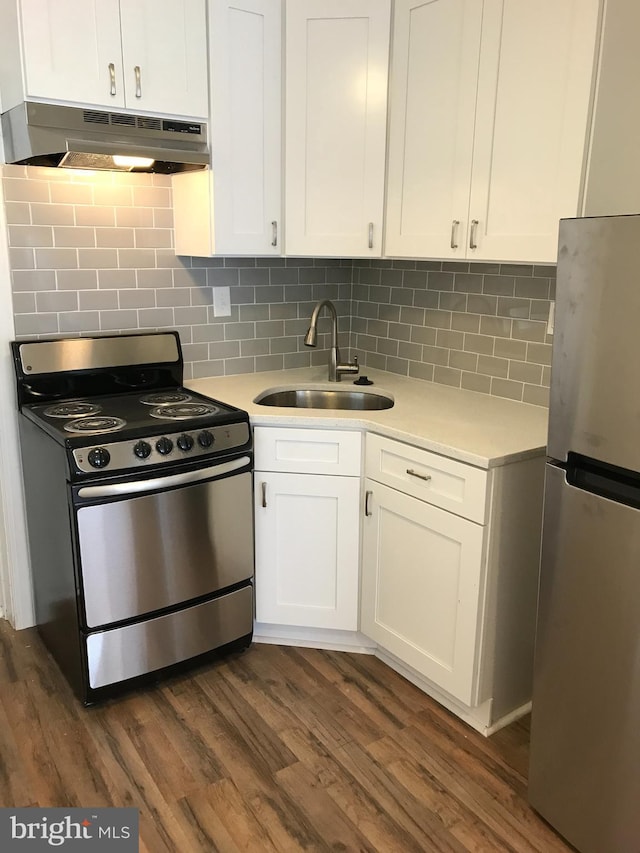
x,y
465,425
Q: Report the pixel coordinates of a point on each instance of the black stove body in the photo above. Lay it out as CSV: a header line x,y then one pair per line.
x,y
139,508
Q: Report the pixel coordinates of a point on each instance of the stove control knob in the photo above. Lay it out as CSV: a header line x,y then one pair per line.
x,y
164,445
205,439
142,449
185,442
99,457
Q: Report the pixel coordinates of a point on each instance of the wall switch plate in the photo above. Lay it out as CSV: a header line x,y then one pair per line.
x,y
221,302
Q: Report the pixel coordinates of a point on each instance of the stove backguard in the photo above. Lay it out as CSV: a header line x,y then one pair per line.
x,y
63,368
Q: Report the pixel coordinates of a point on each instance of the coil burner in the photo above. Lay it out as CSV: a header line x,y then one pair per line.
x,y
72,409
165,398
95,425
184,411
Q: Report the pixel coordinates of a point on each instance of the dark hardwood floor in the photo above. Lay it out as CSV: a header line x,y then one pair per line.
x,y
278,749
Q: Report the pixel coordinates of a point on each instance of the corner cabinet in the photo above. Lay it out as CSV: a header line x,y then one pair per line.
x,y
307,517
450,573
489,116
337,54
147,55
235,208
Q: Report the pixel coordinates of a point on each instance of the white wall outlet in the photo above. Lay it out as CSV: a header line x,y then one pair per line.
x,y
221,302
552,318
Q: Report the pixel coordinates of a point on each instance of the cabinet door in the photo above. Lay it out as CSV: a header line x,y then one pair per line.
x,y
336,99
307,549
534,90
245,61
164,49
72,51
434,74
422,588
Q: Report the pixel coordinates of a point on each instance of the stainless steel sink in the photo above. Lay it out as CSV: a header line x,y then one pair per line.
x,y
324,398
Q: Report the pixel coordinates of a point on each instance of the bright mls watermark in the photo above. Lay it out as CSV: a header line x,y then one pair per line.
x,y
109,830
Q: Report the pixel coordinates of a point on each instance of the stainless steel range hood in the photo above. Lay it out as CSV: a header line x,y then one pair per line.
x,y
81,138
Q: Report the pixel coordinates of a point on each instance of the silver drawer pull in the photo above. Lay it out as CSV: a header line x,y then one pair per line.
x,y
264,494
137,73
412,473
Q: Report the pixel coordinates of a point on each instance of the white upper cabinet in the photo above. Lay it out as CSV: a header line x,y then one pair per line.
x,y
147,55
489,116
164,55
534,95
337,54
434,79
72,50
236,207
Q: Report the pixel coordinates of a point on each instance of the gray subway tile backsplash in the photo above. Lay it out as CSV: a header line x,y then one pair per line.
x,y
475,382
36,324
503,347
33,281
507,388
76,322
68,279
447,376
523,371
93,253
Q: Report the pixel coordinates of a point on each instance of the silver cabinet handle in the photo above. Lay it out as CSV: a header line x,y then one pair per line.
x,y
454,233
264,493
112,79
367,497
472,235
412,473
371,235
136,71
274,233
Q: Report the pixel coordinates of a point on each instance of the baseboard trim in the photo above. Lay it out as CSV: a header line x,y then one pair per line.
x,y
313,638
478,717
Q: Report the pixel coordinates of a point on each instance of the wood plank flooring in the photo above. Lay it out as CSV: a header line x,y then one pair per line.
x,y
278,749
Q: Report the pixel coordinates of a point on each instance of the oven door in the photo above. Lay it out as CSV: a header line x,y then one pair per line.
x,y
150,544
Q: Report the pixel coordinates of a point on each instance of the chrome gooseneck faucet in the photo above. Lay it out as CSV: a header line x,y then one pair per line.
x,y
336,368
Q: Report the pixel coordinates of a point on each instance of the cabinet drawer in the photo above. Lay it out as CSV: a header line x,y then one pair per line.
x,y
451,485
308,451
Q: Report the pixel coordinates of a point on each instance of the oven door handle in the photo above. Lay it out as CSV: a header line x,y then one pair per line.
x,y
138,486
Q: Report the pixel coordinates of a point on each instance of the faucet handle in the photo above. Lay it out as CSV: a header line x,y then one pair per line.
x,y
348,367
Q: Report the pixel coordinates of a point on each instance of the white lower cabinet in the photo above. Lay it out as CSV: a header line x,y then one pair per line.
x,y
420,587
446,590
451,600
307,527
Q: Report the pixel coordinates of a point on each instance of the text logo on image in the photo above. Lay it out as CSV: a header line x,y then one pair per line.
x,y
105,830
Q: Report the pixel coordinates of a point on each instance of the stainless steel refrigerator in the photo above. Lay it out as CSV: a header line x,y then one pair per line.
x,y
585,729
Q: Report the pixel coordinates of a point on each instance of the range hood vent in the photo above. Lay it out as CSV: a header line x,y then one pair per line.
x,y
50,135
